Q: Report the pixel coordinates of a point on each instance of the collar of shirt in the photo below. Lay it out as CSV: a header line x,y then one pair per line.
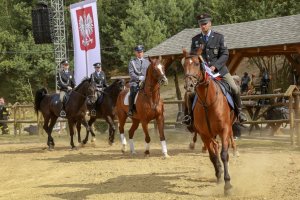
x,y
208,34
98,73
67,71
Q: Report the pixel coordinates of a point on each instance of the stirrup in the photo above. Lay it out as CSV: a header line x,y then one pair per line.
x,y
187,120
93,113
242,117
63,113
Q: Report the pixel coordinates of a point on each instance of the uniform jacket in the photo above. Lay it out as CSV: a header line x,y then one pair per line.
x,y
65,79
100,79
215,53
136,69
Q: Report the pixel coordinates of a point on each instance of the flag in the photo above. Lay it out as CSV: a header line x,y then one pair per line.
x,y
86,38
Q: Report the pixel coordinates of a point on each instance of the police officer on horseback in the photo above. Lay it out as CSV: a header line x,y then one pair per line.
x,y
137,68
99,78
65,83
216,54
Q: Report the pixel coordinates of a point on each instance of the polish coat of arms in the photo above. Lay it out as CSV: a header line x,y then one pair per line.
x,y
86,28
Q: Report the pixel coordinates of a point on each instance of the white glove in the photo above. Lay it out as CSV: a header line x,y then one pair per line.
x,y
141,78
100,89
69,88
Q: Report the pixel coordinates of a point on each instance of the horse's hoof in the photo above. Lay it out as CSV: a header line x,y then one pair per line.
x,y
227,189
82,144
166,155
50,149
133,153
192,146
123,148
236,154
110,143
93,139
73,148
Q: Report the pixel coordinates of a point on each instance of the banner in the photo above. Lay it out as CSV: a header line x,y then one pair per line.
x,y
86,38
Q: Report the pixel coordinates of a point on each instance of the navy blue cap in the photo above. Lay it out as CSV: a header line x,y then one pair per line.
x,y
204,18
139,48
96,65
64,62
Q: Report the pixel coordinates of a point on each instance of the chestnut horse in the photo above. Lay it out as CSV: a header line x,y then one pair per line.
x,y
149,106
50,105
212,114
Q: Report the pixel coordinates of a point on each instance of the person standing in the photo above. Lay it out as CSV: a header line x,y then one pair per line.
x,y
216,54
137,68
65,83
99,78
245,82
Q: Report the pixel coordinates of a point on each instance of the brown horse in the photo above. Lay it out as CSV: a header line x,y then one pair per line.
x,y
212,115
50,106
149,106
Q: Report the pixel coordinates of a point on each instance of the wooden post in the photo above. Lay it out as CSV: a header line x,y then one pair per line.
x,y
292,117
297,113
15,118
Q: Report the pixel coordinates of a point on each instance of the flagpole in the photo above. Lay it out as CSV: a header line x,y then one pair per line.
x,y
86,55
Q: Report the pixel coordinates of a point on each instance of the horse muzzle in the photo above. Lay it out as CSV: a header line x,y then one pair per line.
x,y
163,80
91,100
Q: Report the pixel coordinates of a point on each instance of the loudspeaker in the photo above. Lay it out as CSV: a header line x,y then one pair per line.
x,y
42,24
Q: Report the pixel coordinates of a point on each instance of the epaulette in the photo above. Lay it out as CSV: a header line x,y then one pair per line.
x,y
196,35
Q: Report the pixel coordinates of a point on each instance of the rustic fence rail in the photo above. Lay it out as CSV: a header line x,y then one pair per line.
x,y
19,113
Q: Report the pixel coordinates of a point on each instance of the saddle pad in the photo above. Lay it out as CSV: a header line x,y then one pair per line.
x,y
126,99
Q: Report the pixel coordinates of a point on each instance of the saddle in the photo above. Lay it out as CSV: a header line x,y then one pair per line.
x,y
126,99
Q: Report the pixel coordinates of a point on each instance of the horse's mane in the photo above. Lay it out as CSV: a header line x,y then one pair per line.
x,y
83,81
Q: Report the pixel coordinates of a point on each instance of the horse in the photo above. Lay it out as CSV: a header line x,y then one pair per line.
x,y
50,105
149,106
105,109
212,115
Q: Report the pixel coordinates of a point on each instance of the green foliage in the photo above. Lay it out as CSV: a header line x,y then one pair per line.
x,y
25,66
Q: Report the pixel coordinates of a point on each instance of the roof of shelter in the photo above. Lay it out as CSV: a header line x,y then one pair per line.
x,y
259,33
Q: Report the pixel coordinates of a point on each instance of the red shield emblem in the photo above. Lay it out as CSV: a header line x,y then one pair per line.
x,y
86,28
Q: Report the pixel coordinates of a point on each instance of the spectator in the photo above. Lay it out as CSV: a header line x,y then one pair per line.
x,y
3,116
245,83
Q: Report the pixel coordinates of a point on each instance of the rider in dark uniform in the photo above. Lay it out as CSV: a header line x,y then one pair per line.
x,y
137,68
99,77
65,83
216,54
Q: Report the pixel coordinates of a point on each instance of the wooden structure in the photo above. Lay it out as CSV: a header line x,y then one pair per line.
x,y
266,37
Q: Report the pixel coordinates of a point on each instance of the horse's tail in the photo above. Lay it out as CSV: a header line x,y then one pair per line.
x,y
39,95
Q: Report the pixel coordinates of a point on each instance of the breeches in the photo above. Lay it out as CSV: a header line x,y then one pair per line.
x,y
235,89
61,95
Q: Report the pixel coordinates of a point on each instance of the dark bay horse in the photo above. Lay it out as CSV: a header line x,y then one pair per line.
x,y
149,106
106,109
50,105
212,115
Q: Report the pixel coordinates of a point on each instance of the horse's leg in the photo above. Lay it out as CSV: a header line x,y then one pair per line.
x,y
90,124
122,119
50,128
112,129
134,126
71,127
193,141
88,127
147,138
45,127
225,157
78,127
160,125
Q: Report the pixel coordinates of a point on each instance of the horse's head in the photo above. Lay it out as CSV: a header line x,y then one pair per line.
x,y
193,69
88,89
156,71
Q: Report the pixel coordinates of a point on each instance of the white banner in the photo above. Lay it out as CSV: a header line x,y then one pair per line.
x,y
86,38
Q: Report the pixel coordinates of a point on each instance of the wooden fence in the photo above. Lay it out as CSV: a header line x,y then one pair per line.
x,y
19,113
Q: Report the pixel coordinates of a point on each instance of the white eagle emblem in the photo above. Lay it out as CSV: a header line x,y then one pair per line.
x,y
86,28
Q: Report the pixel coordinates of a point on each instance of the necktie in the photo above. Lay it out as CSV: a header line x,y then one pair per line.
x,y
141,62
205,38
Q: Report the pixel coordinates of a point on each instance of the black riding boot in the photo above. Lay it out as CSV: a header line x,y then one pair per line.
x,y
238,110
131,101
63,112
188,119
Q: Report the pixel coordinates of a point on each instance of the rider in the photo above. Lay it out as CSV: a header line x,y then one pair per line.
x,y
65,83
99,77
137,68
216,54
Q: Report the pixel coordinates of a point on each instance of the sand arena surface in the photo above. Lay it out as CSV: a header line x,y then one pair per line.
x,y
264,170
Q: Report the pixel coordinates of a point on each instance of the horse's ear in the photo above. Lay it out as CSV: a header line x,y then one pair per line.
x,y
184,52
199,50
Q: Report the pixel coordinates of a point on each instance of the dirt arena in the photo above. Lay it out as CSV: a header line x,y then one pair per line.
x,y
266,169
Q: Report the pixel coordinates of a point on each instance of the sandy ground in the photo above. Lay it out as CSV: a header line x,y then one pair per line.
x,y
266,169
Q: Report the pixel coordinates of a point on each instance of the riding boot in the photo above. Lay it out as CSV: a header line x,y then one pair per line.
x,y
238,110
188,119
131,103
63,112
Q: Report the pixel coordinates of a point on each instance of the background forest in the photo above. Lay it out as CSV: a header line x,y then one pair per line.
x,y
25,66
